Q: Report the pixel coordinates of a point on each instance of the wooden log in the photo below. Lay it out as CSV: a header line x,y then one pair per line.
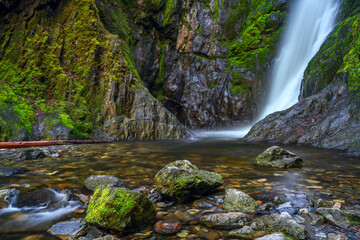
x,y
25,144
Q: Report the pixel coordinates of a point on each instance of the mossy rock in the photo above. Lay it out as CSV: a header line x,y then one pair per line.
x,y
182,181
278,157
239,201
120,210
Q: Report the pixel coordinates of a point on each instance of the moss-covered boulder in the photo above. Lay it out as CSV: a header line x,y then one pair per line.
x,y
277,157
239,201
120,210
182,181
95,181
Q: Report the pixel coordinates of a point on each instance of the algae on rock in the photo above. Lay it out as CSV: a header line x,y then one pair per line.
x,y
120,209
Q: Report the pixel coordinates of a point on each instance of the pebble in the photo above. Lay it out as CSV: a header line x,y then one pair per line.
x,y
183,234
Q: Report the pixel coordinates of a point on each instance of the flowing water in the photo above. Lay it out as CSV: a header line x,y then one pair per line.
x,y
327,174
310,22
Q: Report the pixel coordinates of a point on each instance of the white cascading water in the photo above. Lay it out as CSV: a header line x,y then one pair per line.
x,y
310,22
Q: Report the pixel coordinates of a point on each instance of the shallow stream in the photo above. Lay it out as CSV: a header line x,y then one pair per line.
x,y
326,174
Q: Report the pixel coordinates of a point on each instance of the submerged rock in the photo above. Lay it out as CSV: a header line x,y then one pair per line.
x,y
278,157
225,220
239,201
95,181
30,153
9,171
181,180
167,226
120,209
68,228
38,198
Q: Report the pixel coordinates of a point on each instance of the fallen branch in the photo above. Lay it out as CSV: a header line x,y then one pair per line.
x,y
26,144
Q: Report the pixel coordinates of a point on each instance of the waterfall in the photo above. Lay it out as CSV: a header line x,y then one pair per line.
x,y
309,23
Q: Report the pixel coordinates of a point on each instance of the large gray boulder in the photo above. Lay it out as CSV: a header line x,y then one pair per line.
x,y
182,181
277,157
239,201
95,181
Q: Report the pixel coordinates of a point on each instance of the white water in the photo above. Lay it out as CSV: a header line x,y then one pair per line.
x,y
310,22
14,219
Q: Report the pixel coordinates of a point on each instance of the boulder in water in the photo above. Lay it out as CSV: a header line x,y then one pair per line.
x,y
182,181
68,228
38,198
9,171
277,157
120,209
30,153
340,218
286,223
95,181
239,201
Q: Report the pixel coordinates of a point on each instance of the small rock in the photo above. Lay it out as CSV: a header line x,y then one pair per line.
x,y
95,181
225,220
68,228
274,236
183,234
335,216
167,226
287,207
155,196
30,154
316,219
337,205
286,223
240,201
107,237
334,236
9,171
266,206
278,157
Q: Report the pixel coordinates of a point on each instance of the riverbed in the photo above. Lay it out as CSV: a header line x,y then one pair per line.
x,y
326,174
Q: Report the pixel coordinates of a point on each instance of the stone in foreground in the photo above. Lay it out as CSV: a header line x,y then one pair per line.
x,y
167,226
225,220
277,157
286,223
68,228
274,236
182,181
120,210
239,201
95,181
340,218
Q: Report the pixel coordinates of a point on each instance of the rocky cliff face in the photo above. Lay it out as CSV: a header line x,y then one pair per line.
x,y
206,60
121,69
328,114
64,75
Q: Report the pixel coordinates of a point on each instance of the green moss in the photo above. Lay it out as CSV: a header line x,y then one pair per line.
x,y
120,209
170,7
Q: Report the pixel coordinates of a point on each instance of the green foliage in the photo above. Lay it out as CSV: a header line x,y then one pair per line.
x,y
351,61
170,7
250,47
